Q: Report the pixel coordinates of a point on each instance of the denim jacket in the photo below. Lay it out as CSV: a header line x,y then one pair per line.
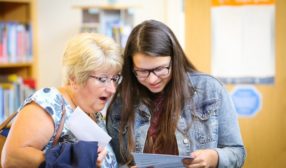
x,y
207,121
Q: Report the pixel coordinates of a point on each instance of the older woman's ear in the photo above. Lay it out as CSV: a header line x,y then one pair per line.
x,y
73,82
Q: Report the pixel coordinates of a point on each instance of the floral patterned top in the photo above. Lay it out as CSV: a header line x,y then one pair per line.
x,y
53,102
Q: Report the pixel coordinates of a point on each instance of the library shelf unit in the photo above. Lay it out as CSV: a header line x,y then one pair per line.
x,y
19,15
18,60
114,20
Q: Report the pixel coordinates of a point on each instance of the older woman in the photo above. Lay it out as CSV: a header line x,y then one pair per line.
x,y
92,65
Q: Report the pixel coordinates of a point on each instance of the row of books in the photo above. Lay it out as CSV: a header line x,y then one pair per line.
x,y
13,91
118,32
15,42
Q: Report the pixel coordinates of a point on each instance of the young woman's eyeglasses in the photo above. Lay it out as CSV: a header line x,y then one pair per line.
x,y
160,72
105,80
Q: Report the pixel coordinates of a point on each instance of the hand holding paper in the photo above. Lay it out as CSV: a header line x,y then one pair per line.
x,y
85,129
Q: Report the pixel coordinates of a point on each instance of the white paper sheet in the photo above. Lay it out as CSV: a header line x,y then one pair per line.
x,y
145,160
85,129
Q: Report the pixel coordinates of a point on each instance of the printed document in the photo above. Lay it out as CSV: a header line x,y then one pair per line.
x,y
146,160
85,129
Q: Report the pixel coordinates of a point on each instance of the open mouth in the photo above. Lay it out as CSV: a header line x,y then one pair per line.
x,y
103,98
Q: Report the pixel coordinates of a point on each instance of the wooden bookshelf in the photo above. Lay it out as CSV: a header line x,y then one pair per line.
x,y
15,65
113,6
18,58
115,20
19,12
22,69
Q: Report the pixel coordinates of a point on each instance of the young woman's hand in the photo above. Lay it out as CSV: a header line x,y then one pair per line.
x,y
101,156
202,159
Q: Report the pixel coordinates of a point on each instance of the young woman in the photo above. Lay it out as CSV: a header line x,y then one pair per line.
x,y
92,65
165,106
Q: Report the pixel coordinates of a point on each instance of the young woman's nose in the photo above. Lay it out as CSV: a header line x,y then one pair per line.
x,y
152,78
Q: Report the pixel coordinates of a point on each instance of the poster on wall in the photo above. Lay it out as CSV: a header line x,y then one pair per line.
x,y
243,41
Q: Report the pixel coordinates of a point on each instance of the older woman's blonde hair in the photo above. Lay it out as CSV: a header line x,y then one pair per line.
x,y
88,52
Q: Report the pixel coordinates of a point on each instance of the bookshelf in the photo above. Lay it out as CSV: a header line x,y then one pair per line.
x,y
18,59
114,20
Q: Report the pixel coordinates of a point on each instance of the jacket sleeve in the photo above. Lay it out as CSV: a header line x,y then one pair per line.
x,y
230,148
112,126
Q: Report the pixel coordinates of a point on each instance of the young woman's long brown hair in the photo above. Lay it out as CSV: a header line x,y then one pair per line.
x,y
154,38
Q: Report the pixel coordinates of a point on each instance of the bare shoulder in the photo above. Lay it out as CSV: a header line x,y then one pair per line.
x,y
32,127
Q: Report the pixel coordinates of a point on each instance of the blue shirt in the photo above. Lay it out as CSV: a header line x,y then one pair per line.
x,y
51,100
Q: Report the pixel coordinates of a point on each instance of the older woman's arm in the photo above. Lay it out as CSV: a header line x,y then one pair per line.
x,y
30,132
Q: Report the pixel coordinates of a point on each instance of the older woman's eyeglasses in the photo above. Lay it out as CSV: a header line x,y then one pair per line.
x,y
105,80
160,72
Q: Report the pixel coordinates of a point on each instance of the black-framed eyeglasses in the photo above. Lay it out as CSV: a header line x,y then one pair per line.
x,y
160,72
105,80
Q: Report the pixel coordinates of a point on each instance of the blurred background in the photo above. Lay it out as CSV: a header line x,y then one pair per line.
x,y
240,42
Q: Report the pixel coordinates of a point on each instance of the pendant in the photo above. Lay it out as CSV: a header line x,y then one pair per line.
x,y
186,141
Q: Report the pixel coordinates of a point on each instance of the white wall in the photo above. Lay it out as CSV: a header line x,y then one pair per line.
x,y
58,21
175,18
